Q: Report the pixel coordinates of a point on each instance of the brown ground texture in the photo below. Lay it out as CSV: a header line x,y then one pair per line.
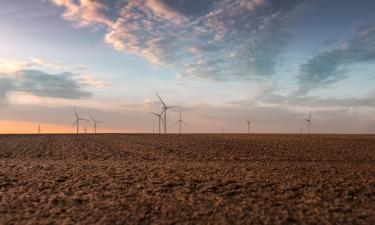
x,y
187,179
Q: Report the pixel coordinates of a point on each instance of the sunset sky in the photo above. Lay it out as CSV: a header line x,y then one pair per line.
x,y
221,61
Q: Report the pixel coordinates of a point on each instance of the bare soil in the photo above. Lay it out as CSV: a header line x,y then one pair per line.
x,y
187,179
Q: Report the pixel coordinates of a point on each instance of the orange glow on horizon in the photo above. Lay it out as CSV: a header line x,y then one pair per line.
x,y
25,127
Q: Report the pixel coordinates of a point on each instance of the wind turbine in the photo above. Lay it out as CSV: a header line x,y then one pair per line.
x,y
159,117
77,120
309,123
180,121
165,108
39,129
248,125
95,123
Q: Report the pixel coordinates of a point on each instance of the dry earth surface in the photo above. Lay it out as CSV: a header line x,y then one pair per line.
x,y
187,179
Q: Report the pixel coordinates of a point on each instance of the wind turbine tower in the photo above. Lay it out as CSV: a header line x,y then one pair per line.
x,y
309,123
180,122
95,123
160,118
248,125
165,108
78,119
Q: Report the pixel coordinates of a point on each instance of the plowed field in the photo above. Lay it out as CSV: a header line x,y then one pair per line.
x,y
187,179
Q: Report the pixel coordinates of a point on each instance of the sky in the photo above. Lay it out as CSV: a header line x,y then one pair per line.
x,y
220,62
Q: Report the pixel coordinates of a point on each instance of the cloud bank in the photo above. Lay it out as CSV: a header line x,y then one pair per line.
x,y
29,78
329,66
218,40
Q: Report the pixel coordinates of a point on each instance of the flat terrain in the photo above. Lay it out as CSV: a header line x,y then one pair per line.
x,y
187,179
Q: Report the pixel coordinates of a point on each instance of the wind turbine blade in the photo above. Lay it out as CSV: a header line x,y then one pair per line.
x,y
185,123
74,123
154,114
161,99
75,112
92,118
177,122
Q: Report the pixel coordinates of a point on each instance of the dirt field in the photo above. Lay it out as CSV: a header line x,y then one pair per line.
x,y
187,179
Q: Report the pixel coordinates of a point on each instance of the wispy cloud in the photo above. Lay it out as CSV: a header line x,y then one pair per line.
x,y
11,66
84,12
93,82
218,40
329,66
162,10
318,102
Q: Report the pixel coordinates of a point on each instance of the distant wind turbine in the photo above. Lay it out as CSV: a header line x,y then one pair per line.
x,y
165,108
248,125
77,120
39,129
309,123
180,122
95,123
160,119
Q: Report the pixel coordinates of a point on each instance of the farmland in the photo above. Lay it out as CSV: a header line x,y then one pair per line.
x,y
187,179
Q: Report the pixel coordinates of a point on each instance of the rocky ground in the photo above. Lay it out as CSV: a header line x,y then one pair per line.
x,y
187,179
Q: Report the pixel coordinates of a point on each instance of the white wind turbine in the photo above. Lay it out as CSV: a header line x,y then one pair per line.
x,y
309,123
165,108
95,123
180,122
160,119
248,125
77,120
